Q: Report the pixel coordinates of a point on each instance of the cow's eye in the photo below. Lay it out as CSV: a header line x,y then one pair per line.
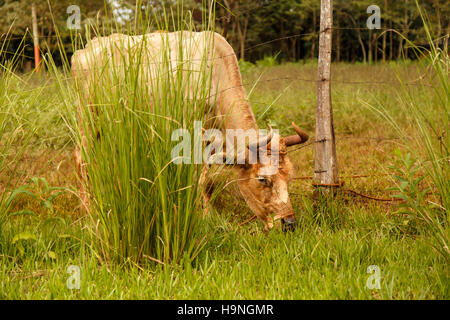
x,y
263,180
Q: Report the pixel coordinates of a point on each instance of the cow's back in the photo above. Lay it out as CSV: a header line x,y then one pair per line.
x,y
193,52
104,54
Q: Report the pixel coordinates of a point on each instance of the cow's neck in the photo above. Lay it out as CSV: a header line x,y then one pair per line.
x,y
235,111
232,108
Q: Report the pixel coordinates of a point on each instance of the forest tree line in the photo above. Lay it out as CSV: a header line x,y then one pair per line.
x,y
287,29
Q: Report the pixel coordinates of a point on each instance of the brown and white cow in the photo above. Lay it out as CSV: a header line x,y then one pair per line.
x,y
266,194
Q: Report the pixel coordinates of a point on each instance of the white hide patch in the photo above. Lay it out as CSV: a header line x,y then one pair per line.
x,y
269,170
283,192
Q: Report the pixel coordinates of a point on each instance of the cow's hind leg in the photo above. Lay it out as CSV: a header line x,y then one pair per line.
x,y
80,166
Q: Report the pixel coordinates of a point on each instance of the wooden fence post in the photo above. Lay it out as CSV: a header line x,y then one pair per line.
x,y
325,167
37,56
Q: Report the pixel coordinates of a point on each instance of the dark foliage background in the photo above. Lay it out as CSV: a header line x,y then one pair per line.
x,y
287,29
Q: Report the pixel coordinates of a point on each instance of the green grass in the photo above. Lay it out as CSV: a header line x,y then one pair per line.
x,y
428,143
144,204
315,261
326,258
401,148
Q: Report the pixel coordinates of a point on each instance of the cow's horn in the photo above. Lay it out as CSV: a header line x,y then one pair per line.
x,y
300,137
263,141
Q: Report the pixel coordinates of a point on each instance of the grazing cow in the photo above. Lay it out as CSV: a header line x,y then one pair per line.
x,y
265,192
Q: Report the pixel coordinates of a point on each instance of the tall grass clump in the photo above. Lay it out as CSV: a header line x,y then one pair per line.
x,y
13,136
138,98
429,141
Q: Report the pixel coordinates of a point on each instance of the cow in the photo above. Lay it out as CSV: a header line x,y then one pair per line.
x,y
265,192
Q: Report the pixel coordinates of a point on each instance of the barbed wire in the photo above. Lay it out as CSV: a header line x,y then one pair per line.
x,y
5,37
275,79
335,81
399,30
416,82
227,55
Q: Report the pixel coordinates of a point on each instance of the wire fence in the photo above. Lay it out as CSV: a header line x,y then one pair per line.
x,y
418,82
248,49
28,34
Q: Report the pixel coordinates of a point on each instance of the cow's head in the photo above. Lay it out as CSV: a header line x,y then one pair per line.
x,y
264,184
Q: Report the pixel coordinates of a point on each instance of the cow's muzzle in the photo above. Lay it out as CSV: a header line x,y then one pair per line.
x,y
288,223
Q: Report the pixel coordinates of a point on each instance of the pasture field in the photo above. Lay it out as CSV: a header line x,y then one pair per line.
x,y
326,257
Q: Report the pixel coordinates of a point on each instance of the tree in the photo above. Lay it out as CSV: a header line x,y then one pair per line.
x,y
255,28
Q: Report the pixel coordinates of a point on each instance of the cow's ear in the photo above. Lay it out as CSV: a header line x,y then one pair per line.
x,y
221,159
244,166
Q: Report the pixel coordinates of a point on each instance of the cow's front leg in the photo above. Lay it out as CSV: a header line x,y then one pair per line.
x,y
206,188
80,167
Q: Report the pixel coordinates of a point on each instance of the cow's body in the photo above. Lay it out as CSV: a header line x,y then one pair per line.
x,y
230,107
